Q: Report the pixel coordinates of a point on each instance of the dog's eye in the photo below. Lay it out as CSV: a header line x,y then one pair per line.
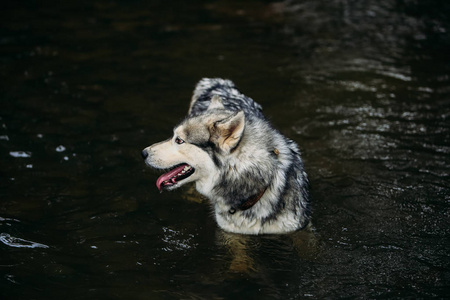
x,y
179,141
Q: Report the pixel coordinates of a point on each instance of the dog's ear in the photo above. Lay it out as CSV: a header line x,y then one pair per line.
x,y
216,103
227,133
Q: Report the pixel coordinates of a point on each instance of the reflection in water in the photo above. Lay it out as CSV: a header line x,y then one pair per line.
x,y
363,87
243,249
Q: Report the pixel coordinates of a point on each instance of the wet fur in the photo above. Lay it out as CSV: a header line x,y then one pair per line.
x,y
236,153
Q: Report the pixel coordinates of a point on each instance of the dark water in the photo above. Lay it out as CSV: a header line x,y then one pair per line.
x,y
362,86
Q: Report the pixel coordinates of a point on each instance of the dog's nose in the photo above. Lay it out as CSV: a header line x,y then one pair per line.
x,y
144,154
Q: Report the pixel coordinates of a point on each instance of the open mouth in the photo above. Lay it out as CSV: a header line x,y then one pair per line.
x,y
177,173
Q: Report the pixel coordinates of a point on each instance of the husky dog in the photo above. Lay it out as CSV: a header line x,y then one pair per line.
x,y
252,174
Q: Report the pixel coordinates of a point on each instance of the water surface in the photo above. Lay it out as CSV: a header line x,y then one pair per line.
x,y
363,88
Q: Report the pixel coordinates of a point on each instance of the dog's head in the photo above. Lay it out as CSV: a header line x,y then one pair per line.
x,y
197,147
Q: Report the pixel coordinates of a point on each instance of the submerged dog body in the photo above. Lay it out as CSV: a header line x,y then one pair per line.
x,y
252,174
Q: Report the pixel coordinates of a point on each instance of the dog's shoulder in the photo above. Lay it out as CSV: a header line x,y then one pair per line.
x,y
231,97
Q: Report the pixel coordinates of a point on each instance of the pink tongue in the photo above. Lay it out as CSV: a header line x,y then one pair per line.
x,y
167,176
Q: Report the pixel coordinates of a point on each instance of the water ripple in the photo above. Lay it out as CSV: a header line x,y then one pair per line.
x,y
15,242
19,154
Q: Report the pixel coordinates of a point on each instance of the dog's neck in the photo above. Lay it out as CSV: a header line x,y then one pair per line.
x,y
252,200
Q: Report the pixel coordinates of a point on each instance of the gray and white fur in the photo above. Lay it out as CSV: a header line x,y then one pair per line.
x,y
232,153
